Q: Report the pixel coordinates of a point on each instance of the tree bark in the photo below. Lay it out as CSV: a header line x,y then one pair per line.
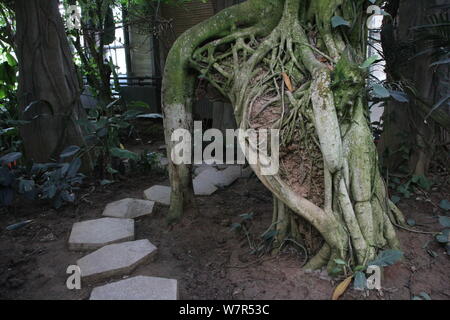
x,y
49,90
246,52
424,85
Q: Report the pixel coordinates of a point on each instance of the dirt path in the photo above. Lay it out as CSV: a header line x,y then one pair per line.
x,y
209,260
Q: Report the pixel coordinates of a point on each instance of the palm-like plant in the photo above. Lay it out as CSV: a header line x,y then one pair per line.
x,y
434,40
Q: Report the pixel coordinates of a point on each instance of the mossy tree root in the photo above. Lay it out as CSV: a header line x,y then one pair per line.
x,y
243,52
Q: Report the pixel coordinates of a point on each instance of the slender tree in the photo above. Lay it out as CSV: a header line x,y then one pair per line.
x,y
293,65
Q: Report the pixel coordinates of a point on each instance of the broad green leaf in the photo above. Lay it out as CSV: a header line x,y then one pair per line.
x,y
247,216
432,253
235,226
387,258
445,204
11,60
67,196
422,182
123,154
437,105
360,268
425,295
150,116
444,221
336,270
380,91
442,238
269,235
69,151
337,21
360,282
443,61
106,182
340,261
74,167
371,60
111,170
399,96
395,199
131,114
18,225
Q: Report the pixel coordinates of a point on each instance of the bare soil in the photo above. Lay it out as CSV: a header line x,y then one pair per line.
x,y
209,260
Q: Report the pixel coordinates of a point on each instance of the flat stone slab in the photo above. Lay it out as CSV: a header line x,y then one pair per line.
x,y
211,174
230,175
205,183
159,194
138,288
220,179
129,208
115,260
199,168
94,234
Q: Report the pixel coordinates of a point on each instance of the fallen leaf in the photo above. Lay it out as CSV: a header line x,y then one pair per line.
x,y
340,289
287,81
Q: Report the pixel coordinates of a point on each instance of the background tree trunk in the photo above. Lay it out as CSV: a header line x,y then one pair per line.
x,y
408,142
49,90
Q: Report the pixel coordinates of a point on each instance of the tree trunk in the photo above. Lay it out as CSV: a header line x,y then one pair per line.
x,y
307,84
404,124
49,91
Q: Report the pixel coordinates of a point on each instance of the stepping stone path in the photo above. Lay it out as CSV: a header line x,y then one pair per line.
x,y
138,288
159,194
129,208
209,179
115,260
94,234
117,255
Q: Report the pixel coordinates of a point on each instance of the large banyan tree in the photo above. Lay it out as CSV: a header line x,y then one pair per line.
x,y
283,65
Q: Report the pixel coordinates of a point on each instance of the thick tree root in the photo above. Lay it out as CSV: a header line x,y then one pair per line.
x,y
276,69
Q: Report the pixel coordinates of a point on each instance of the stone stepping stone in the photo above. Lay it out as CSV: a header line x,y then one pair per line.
x,y
211,175
94,234
198,169
159,194
220,179
204,183
230,175
138,288
115,260
129,208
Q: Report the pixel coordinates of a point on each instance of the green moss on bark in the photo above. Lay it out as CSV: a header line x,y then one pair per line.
x,y
262,39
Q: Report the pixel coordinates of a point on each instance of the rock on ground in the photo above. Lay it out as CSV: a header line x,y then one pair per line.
x,y
129,208
138,288
115,260
159,194
93,234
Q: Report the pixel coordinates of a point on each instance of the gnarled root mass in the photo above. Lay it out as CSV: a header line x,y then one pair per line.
x,y
283,67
